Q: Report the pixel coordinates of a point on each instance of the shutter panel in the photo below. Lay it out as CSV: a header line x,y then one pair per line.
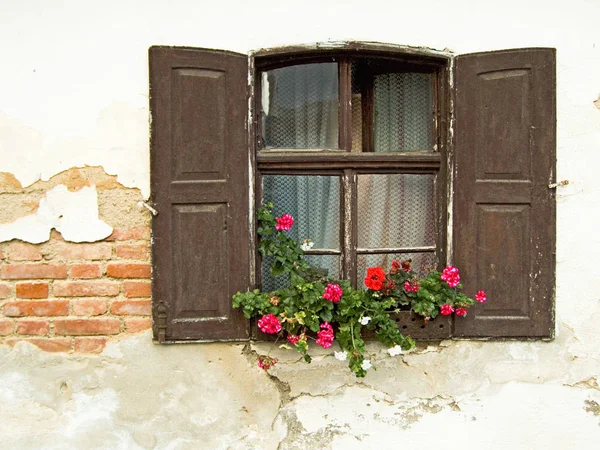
x,y
504,212
199,180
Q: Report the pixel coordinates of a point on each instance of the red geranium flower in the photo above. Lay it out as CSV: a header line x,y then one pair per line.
x,y
407,265
451,276
375,278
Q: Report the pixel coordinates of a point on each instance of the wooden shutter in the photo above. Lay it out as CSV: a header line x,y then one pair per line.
x,y
199,181
504,211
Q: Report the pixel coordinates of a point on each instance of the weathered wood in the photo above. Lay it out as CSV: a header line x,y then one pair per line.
x,y
199,180
504,213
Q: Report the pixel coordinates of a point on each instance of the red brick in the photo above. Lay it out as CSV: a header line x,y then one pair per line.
x,y
86,327
5,290
90,345
137,324
1,254
24,252
28,271
37,308
32,290
6,327
137,288
86,288
130,234
48,345
132,251
84,251
39,327
124,270
89,306
131,307
85,271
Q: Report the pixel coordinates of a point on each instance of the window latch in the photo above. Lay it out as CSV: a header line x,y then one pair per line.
x,y
559,184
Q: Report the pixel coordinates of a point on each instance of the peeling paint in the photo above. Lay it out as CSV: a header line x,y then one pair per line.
x,y
73,214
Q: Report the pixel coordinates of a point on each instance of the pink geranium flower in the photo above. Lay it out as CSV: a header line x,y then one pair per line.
x,y
269,324
325,336
333,293
461,312
446,309
480,296
284,222
451,276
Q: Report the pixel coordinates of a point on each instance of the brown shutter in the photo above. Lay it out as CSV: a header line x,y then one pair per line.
x,y
199,181
504,212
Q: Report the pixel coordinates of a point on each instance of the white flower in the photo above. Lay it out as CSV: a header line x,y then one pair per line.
x,y
395,350
366,365
340,356
307,244
364,320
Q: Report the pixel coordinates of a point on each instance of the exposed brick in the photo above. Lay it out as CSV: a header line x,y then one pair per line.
x,y
20,251
6,327
89,306
1,254
84,251
85,271
39,327
124,270
130,234
36,308
48,345
86,288
5,290
90,345
132,251
137,324
131,307
29,271
32,290
135,289
86,327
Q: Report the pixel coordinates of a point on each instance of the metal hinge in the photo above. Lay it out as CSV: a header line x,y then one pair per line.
x,y
148,207
559,184
161,315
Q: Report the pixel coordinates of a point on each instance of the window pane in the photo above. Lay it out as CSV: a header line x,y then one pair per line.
x,y
395,210
300,106
313,201
421,262
325,266
403,112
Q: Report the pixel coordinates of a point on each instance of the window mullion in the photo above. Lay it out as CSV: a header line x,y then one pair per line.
x,y
349,229
345,104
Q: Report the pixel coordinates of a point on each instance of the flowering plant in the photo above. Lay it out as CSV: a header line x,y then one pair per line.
x,y
312,302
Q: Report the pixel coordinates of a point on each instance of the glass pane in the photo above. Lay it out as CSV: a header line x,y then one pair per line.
x,y
313,202
395,210
403,112
300,106
325,266
421,262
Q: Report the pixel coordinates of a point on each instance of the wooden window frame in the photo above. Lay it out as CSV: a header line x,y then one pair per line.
x,y
347,165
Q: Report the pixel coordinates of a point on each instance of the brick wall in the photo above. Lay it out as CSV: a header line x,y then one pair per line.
x,y
67,297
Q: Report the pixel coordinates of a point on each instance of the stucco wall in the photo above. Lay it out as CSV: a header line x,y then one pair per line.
x,y
74,93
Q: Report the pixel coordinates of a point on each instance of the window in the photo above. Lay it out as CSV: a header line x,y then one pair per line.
x,y
377,151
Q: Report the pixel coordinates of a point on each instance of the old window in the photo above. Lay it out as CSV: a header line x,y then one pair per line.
x,y
357,144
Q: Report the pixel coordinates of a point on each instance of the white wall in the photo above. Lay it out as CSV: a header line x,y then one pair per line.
x,y
74,92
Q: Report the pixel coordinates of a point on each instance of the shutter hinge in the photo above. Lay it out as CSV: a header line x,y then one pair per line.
x,y
161,314
148,207
559,184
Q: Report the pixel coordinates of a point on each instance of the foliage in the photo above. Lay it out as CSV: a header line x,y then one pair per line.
x,y
312,301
